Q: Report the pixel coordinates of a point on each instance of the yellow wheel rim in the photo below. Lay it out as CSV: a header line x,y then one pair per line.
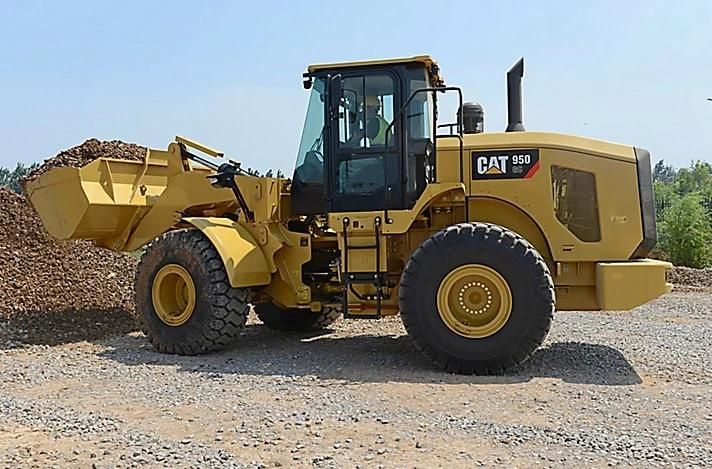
x,y
474,301
173,295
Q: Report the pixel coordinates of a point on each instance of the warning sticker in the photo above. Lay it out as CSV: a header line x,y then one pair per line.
x,y
505,164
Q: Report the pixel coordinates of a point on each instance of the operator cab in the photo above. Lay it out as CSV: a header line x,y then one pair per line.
x,y
358,151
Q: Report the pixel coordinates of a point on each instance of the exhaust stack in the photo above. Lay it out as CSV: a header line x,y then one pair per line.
x,y
514,97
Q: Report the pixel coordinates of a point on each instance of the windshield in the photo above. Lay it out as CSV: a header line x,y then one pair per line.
x,y
310,159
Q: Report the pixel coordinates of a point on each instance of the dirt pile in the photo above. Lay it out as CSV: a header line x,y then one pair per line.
x,y
52,291
695,279
49,285
89,151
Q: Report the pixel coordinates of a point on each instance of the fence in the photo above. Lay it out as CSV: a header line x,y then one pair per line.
x,y
663,203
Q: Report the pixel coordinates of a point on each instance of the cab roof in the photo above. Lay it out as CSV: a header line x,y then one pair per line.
x,y
427,60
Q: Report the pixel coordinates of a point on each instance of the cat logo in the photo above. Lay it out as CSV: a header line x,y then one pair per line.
x,y
505,164
492,164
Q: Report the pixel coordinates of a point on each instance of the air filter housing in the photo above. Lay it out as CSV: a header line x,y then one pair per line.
x,y
473,116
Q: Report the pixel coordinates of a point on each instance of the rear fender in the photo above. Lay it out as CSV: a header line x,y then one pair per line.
x,y
244,261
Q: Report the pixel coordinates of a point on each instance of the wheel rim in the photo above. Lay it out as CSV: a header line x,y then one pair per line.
x,y
474,301
173,295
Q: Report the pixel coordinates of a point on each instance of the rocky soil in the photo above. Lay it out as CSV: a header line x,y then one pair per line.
x,y
686,278
56,290
87,152
630,389
47,283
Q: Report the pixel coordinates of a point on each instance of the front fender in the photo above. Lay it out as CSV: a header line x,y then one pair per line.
x,y
244,261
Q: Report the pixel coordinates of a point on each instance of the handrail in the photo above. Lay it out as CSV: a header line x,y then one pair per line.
x,y
434,90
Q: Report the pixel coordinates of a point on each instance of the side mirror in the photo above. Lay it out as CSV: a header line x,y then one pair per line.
x,y
334,93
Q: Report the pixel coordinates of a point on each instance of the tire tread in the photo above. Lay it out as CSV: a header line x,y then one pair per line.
x,y
507,238
229,305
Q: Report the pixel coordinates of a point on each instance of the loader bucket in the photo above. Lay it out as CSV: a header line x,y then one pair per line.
x,y
96,202
118,204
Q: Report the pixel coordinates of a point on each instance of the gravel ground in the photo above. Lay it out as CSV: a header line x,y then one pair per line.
x,y
625,389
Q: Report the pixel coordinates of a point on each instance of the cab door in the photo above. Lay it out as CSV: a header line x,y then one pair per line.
x,y
360,168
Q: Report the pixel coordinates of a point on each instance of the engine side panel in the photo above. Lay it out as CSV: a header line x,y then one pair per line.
x,y
583,203
519,169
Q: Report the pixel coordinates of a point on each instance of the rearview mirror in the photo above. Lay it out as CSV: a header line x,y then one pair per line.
x,y
334,93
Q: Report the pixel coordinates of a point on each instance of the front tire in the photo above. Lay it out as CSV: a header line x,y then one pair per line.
x,y
477,298
295,319
184,296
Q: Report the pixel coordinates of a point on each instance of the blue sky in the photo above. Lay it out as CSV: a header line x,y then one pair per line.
x,y
228,73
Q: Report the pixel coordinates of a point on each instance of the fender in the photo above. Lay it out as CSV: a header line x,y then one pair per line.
x,y
244,261
505,213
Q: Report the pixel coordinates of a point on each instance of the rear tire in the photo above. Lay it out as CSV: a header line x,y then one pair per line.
x,y
207,314
295,319
477,298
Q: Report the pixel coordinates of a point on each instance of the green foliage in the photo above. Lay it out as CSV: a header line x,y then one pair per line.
x,y
685,233
664,191
663,173
684,213
695,179
12,179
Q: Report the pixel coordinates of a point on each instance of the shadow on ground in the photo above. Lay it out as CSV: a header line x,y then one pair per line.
x,y
373,358
353,358
63,326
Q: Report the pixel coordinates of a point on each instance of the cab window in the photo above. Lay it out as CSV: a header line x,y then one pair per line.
x,y
576,202
420,167
310,157
366,112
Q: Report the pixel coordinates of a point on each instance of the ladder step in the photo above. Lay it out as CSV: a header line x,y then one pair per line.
x,y
367,277
374,297
362,316
362,281
378,279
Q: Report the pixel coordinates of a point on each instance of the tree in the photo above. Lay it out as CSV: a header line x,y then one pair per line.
x,y
12,179
269,174
686,233
663,173
695,179
4,177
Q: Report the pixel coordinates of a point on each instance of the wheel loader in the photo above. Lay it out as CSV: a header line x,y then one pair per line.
x,y
475,238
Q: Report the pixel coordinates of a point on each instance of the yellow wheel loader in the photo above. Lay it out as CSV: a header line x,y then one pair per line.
x,y
474,237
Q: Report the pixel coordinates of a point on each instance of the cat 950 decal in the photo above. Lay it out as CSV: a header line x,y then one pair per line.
x,y
505,164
